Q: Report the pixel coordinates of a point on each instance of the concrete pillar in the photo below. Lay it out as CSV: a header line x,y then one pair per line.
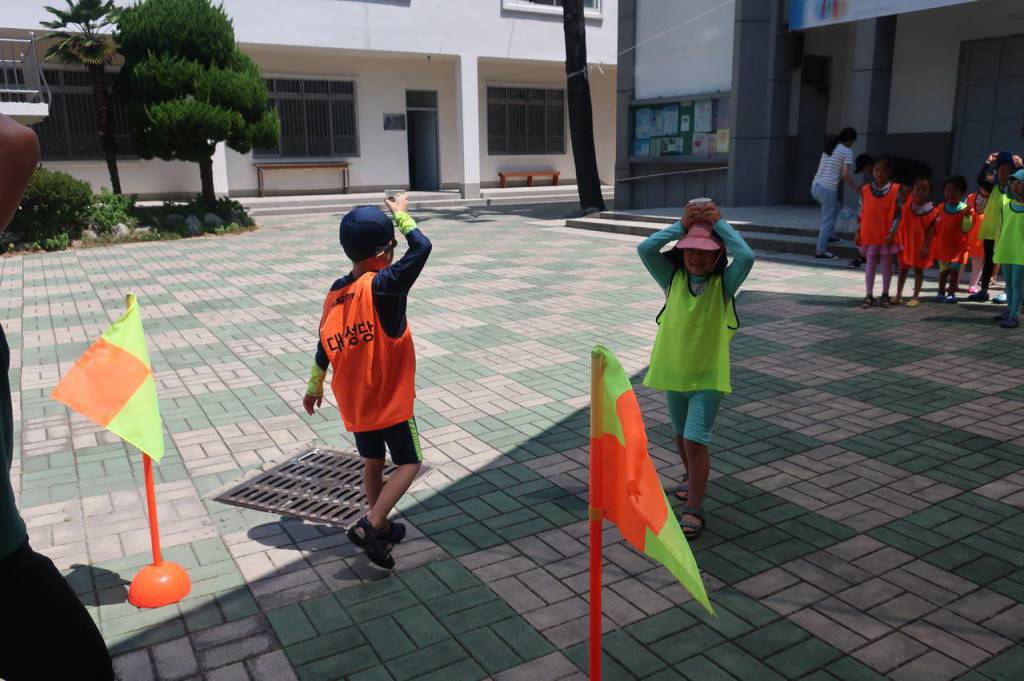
x,y
867,108
764,55
468,93
625,92
220,170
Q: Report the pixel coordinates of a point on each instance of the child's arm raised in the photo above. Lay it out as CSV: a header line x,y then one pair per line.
x,y
650,254
742,257
400,277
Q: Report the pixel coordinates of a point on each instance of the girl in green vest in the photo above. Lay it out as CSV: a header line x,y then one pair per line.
x,y
690,360
1009,250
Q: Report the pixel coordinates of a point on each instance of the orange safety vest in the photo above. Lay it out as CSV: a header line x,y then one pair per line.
x,y
950,241
374,378
975,249
912,233
876,215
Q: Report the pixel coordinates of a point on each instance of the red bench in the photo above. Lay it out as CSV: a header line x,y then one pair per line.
x,y
504,175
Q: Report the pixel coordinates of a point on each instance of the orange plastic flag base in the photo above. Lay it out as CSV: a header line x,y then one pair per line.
x,y
158,585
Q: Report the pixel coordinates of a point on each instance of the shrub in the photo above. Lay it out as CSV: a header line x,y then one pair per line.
x,y
56,243
108,210
54,203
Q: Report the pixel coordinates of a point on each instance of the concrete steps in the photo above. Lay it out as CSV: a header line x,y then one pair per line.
x,y
418,201
766,237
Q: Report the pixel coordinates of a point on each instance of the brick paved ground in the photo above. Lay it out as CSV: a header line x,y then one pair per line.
x,y
865,512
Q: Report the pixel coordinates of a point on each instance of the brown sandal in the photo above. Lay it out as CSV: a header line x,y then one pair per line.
x,y
868,302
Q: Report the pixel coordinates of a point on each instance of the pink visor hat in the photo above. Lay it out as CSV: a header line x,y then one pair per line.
x,y
700,237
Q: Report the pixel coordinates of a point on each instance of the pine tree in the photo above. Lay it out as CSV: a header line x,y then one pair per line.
x,y
186,86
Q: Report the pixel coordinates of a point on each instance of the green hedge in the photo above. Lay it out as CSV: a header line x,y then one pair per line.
x,y
54,204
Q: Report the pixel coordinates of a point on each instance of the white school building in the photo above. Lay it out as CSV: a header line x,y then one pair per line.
x,y
761,85
419,95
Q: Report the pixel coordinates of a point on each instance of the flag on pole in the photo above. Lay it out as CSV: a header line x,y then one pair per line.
x,y
624,484
112,384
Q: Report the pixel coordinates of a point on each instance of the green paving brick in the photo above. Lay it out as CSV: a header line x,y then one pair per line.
x,y
803,658
686,644
387,638
421,626
740,664
702,669
849,669
489,650
426,660
291,624
631,654
771,639
659,626
325,614
527,643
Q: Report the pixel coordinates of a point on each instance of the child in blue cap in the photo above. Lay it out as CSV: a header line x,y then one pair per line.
x,y
365,339
993,178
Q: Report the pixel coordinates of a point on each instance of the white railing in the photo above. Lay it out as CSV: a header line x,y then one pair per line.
x,y
21,76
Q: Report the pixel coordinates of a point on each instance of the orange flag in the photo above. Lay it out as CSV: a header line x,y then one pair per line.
x,y
112,384
624,485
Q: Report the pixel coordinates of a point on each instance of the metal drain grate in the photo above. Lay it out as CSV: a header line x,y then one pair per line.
x,y
322,485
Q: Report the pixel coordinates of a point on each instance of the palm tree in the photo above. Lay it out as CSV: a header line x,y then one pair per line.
x,y
88,44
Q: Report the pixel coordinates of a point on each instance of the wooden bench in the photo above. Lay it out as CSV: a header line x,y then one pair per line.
x,y
310,165
504,175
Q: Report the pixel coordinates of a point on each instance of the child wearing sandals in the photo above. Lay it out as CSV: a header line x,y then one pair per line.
x,y
1009,250
975,253
365,339
690,360
947,237
918,216
880,216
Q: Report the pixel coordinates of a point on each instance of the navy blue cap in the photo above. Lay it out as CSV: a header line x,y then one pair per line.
x,y
1004,158
365,231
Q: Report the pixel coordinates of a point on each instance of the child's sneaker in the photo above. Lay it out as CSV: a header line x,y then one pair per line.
x,y
913,302
1010,323
1000,299
978,297
1002,316
972,290
374,543
940,298
884,301
951,299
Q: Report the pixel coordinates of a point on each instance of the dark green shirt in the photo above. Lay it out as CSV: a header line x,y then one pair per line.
x,y
12,527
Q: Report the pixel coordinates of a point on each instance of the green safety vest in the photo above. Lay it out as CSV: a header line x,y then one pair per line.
x,y
691,351
1010,244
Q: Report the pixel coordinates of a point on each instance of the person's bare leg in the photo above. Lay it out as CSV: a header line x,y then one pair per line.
x,y
397,485
954,280
373,479
902,281
681,448
943,275
699,467
918,281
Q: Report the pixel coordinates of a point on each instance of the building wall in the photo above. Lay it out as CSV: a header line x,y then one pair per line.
x,y
381,82
602,93
927,57
456,27
691,59
147,179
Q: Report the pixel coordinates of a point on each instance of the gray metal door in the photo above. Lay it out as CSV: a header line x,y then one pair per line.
x,y
990,102
424,158
812,124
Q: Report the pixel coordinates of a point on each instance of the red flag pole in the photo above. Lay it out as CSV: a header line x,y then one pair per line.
x,y
163,582
154,530
596,514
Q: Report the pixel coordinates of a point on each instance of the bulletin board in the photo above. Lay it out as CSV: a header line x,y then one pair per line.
x,y
688,127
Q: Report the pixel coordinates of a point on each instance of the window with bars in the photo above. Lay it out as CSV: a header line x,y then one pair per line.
x,y
318,118
525,121
69,132
591,7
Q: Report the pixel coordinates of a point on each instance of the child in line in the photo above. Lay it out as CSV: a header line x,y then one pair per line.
x,y
918,217
993,177
975,253
879,220
365,338
947,238
1009,250
865,167
690,360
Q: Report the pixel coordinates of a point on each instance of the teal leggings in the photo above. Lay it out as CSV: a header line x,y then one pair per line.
x,y
1014,274
693,414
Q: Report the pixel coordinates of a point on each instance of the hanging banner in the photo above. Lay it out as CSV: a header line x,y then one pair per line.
x,y
813,13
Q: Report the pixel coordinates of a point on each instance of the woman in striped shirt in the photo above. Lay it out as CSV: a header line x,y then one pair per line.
x,y
834,166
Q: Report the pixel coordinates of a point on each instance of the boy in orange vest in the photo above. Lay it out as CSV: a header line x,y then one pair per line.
x,y
365,338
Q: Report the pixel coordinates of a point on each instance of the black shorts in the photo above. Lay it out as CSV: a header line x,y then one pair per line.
x,y
402,441
39,606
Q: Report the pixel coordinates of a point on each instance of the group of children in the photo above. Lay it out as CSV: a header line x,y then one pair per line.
x,y
900,226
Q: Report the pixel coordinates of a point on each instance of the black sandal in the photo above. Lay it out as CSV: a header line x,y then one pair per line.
x,y
394,535
374,543
885,301
694,530
683,493
868,302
